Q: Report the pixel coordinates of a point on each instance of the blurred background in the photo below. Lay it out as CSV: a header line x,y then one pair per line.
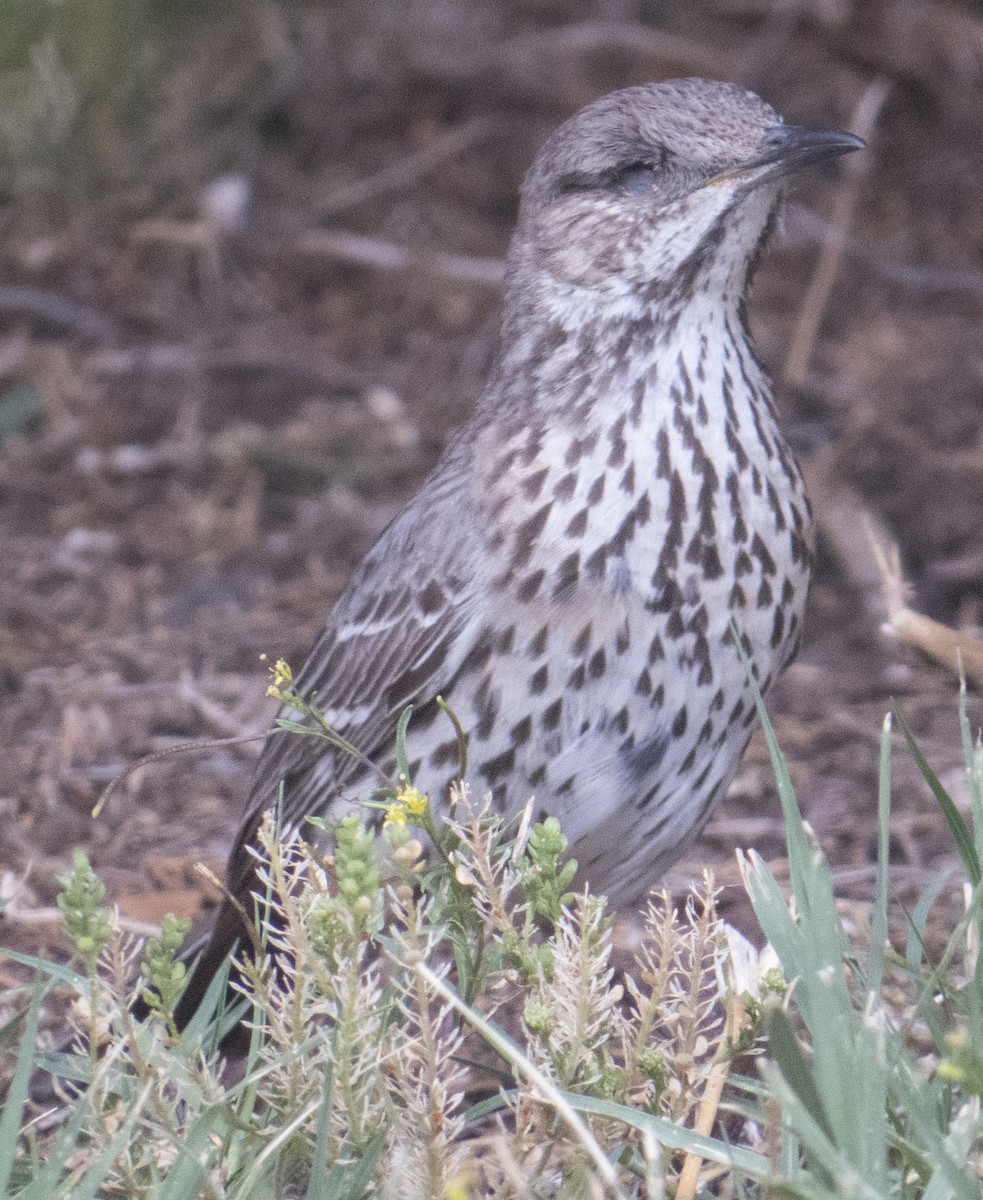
x,y
250,264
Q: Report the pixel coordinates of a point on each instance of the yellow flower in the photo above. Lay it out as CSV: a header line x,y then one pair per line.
x,y
280,674
412,799
395,815
409,802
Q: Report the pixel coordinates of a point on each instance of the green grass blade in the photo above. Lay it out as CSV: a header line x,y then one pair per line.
x,y
957,826
319,1168
878,922
193,1162
56,971
784,1049
674,1137
13,1108
974,768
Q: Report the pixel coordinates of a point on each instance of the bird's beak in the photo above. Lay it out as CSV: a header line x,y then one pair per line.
x,y
788,147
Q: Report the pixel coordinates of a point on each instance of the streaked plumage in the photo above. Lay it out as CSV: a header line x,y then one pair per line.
x,y
567,576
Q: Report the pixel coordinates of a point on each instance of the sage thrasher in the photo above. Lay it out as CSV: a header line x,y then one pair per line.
x,y
568,576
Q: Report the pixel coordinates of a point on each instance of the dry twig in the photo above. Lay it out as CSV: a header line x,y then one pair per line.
x,y
387,256
958,650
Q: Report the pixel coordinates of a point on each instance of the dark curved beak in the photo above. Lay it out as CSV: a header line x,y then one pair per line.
x,y
789,147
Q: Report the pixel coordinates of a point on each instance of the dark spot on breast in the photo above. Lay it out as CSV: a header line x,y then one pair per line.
x,y
619,447
445,754
578,525
486,720
566,487
596,490
504,464
663,464
539,680
711,565
637,400
566,575
478,656
579,447
506,641
776,507
530,452
501,764
778,628
529,530
580,643
597,664
538,643
532,485
596,564
679,724
527,590
521,731
551,715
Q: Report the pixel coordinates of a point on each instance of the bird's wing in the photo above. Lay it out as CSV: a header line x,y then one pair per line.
x,y
393,638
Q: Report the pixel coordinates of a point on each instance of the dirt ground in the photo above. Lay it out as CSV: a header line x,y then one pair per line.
x,y
250,262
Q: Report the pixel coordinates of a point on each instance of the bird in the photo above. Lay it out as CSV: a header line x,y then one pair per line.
x,y
620,505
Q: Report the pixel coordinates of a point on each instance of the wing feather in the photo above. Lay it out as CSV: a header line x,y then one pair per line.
x,y
382,647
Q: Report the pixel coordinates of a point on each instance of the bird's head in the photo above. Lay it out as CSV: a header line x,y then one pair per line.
x,y
662,188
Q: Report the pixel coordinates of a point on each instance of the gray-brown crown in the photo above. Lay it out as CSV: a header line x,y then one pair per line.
x,y
633,186
684,130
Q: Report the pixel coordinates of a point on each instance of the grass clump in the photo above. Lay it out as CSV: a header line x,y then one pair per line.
x,y
452,1024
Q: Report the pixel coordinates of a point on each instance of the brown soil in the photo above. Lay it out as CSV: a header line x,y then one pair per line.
x,y
207,418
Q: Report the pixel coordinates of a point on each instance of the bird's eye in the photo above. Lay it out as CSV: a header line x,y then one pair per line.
x,y
629,179
636,180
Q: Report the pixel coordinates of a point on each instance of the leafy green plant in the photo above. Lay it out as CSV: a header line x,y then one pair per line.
x,y
445,959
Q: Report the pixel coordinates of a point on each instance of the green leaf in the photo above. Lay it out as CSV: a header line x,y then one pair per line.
x,y
957,826
13,1109
402,760
784,1049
